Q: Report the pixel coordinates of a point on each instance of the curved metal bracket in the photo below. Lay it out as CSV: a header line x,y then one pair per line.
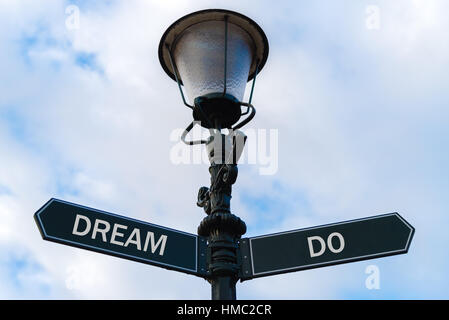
x,y
192,142
249,118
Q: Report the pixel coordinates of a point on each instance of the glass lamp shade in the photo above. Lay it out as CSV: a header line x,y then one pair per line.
x,y
199,54
196,44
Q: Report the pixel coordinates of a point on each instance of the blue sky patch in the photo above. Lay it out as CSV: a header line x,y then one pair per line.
x,y
87,61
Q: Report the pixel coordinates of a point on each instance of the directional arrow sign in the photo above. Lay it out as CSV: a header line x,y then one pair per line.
x,y
104,232
349,241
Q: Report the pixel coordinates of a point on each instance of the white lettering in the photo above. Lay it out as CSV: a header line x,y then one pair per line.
x,y
245,309
372,21
73,20
187,310
322,243
82,227
75,225
103,232
330,245
136,234
272,159
373,280
150,238
117,234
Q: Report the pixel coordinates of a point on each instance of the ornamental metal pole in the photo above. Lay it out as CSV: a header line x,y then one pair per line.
x,y
196,52
223,230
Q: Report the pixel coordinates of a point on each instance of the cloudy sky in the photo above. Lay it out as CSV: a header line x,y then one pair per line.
x,y
355,94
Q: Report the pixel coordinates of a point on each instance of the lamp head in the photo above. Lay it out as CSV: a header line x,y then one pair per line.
x,y
213,53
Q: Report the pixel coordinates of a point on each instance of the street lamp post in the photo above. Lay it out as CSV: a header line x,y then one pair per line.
x,y
213,54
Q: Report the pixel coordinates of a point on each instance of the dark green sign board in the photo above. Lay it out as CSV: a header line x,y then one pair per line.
x,y
100,231
108,233
343,242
